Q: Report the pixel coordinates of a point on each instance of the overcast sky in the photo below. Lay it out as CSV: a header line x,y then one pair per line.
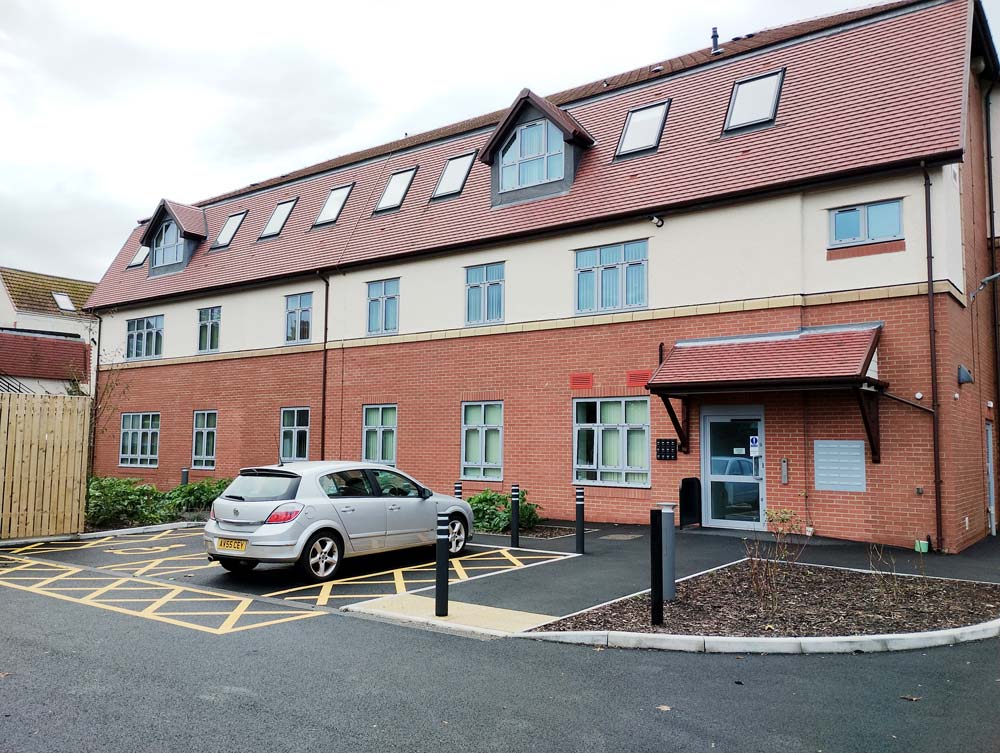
x,y
107,106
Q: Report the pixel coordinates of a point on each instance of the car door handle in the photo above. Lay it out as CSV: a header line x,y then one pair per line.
x,y
347,509
393,508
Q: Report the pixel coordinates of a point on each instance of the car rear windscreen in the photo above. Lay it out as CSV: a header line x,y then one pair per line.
x,y
259,486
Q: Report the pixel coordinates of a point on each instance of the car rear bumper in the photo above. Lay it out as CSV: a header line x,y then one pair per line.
x,y
276,546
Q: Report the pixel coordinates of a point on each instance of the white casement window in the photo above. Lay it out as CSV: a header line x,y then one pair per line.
x,y
294,434
484,294
453,177
278,218
229,229
203,446
168,245
298,318
611,441
209,323
754,101
383,306
482,440
611,278
643,129
334,205
532,155
144,338
140,440
395,189
867,223
379,434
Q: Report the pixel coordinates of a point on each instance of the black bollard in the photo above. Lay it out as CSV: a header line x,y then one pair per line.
x,y
458,489
579,520
656,566
515,515
441,574
185,476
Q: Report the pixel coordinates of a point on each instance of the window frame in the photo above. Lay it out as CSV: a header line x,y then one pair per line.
x,y
379,209
131,336
204,430
728,128
151,431
465,178
481,431
264,235
242,215
298,318
179,246
295,429
343,204
655,147
864,239
623,428
543,155
599,268
380,429
382,301
141,255
207,324
484,286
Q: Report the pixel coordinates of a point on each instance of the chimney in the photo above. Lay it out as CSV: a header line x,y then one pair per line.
x,y
716,50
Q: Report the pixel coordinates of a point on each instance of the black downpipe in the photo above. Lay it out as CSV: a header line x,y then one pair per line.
x,y
94,397
932,336
991,245
326,332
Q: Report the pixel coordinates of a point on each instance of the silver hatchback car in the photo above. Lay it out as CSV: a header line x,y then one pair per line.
x,y
315,514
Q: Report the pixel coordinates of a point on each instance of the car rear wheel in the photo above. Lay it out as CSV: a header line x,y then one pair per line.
x,y
238,567
321,557
458,534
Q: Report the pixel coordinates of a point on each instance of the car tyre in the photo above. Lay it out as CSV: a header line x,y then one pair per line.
x,y
321,557
458,535
238,567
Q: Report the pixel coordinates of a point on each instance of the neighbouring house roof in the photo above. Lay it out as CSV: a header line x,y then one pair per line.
x,y
44,357
913,54
809,357
32,291
571,129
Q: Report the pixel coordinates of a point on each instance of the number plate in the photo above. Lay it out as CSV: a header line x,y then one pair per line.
x,y
231,545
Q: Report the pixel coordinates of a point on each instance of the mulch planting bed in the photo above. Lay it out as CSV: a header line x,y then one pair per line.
x,y
811,601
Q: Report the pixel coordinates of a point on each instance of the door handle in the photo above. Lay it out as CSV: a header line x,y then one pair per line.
x,y
347,509
393,508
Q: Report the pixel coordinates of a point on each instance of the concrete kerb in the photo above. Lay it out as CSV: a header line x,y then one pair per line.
x,y
102,534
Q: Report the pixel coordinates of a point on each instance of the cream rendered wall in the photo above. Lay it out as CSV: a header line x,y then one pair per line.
x,y
251,319
8,314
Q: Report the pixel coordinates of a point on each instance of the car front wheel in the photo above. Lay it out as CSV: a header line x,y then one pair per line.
x,y
321,557
458,533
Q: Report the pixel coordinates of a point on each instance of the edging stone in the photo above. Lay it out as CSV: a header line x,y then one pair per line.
x,y
101,534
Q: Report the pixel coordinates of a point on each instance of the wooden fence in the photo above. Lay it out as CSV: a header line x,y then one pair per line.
x,y
44,443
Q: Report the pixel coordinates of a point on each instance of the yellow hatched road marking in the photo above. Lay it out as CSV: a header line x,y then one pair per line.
x,y
512,558
104,589
236,614
162,600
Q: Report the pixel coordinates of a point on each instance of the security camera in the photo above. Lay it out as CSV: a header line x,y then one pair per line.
x,y
658,221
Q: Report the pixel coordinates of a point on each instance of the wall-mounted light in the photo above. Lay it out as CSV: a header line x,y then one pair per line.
x,y
657,221
919,396
964,375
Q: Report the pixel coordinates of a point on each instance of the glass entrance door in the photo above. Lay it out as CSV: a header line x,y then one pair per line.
x,y
732,452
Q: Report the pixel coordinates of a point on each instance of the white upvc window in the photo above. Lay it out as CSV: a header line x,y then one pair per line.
x,y
203,445
611,278
209,324
484,294
144,338
298,318
611,441
140,440
168,245
533,154
294,434
383,306
482,440
754,101
378,444
867,223
643,129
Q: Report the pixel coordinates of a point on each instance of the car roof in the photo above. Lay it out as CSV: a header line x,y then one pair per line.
x,y
320,467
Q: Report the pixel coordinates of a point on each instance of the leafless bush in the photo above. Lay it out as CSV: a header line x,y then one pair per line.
x,y
768,559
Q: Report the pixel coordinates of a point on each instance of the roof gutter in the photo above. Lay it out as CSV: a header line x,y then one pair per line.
x,y
932,339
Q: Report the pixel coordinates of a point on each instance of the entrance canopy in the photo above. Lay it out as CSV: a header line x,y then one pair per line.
x,y
841,357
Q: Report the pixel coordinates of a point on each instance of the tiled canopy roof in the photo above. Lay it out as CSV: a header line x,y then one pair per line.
x,y
807,357
44,357
32,291
914,55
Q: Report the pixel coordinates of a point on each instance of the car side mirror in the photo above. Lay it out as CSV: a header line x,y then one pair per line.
x,y
425,493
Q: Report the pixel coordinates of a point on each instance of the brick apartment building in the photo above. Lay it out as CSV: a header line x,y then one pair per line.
x,y
753,265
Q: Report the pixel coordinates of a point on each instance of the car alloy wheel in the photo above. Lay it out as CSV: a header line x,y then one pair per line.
x,y
456,535
324,556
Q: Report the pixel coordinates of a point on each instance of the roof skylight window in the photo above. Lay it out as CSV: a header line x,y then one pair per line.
x,y
453,177
140,257
754,101
63,302
643,129
395,189
334,205
278,218
229,230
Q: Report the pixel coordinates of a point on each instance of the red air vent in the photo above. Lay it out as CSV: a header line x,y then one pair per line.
x,y
581,380
638,378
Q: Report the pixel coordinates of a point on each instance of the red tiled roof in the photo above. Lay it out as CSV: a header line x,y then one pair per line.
x,y
828,123
191,220
44,357
571,129
806,357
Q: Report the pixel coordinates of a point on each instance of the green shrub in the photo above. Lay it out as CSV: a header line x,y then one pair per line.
x,y
492,511
198,496
123,502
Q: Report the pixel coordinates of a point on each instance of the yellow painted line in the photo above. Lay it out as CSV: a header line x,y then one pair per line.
x,y
104,589
162,600
28,547
323,595
230,621
459,570
400,582
54,578
512,558
268,623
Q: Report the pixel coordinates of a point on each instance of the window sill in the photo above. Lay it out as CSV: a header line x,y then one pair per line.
x,y
481,479
610,485
620,310
122,465
855,250
143,358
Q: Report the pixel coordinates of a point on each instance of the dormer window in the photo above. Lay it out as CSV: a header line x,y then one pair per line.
x,y
754,102
168,245
533,154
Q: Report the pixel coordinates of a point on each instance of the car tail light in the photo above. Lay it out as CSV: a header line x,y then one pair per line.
x,y
211,512
284,513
